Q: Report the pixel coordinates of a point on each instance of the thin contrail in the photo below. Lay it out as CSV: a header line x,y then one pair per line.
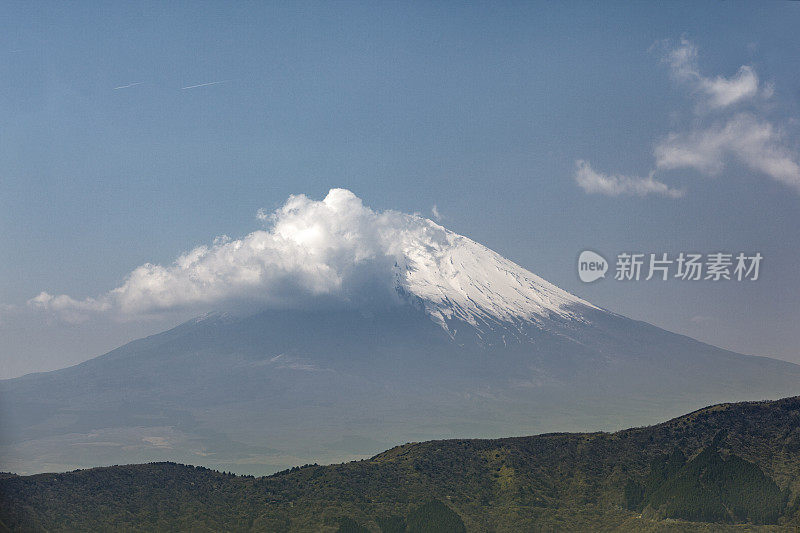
x,y
129,85
205,84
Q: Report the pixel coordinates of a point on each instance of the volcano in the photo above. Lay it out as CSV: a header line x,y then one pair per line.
x,y
441,338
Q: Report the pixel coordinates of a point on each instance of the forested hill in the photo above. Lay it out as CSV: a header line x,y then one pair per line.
x,y
714,469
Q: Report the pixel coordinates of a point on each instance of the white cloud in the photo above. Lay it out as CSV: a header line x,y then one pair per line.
x,y
744,137
335,248
754,143
594,182
68,308
714,139
435,212
718,91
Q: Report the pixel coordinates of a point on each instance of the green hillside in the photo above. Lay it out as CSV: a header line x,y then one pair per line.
x,y
727,467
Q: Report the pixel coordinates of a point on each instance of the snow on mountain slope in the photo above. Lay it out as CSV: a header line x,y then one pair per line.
x,y
454,277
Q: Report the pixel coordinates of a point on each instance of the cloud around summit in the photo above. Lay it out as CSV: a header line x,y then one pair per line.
x,y
335,248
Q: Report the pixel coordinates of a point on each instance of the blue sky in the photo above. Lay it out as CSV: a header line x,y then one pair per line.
x,y
110,158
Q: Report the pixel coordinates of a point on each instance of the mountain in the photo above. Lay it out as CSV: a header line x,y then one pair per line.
x,y
443,338
729,467
458,281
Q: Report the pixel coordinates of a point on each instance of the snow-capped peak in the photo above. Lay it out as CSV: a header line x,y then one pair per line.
x,y
455,278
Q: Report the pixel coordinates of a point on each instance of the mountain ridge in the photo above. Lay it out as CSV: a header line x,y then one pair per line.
x,y
564,481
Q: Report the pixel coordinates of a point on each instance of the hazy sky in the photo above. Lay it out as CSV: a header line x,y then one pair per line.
x,y
132,134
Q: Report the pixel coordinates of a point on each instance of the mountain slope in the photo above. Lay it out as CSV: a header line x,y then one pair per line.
x,y
545,482
437,337
456,279
260,393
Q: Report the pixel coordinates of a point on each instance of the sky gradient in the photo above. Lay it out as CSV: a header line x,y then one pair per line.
x,y
134,133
